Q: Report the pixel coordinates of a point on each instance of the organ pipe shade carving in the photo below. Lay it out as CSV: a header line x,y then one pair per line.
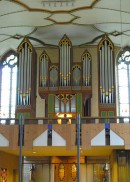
x,y
106,71
44,66
65,61
86,63
24,73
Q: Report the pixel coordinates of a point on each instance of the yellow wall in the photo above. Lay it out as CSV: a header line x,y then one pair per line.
x,y
10,162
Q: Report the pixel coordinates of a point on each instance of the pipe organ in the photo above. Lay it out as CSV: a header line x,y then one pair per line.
x,y
26,77
65,78
106,77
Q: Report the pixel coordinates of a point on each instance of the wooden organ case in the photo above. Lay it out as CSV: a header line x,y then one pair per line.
x,y
26,92
66,85
107,100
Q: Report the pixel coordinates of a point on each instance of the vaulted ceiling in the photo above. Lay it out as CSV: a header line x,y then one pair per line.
x,y
46,21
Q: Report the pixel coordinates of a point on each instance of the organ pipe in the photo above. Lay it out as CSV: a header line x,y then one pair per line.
x,y
27,68
88,62
103,77
46,71
84,67
67,67
60,66
21,77
29,78
24,74
109,74
106,72
112,81
41,72
86,70
101,89
64,65
69,71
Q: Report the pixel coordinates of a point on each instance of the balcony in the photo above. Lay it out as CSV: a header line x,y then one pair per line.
x,y
44,136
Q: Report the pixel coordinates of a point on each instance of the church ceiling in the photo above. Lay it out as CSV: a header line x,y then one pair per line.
x,y
84,22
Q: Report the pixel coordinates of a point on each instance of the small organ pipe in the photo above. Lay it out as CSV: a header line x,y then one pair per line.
x,y
62,61
27,92
19,78
101,76
25,76
69,57
86,74
103,89
106,73
41,70
88,62
30,58
22,67
60,65
46,73
112,77
43,78
66,64
109,74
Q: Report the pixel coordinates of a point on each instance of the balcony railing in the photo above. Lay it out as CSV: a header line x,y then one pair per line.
x,y
83,120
